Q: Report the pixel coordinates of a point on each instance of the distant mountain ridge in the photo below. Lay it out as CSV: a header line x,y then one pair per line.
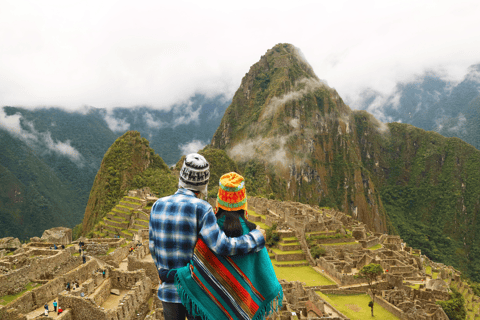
x,y
433,104
71,145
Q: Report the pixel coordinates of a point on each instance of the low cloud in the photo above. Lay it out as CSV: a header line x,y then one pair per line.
x,y
151,122
116,125
192,146
268,149
188,115
35,139
459,127
307,84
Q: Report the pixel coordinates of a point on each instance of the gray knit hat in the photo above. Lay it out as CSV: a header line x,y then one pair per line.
x,y
195,173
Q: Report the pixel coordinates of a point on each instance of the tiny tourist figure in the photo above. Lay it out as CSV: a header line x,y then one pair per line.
x,y
55,305
46,309
84,259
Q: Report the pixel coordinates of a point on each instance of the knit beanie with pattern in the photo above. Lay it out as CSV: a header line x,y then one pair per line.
x,y
195,174
232,195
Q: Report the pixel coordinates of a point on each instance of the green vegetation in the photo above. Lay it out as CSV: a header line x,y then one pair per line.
x,y
317,251
9,298
272,236
356,307
371,272
455,307
375,247
304,274
128,164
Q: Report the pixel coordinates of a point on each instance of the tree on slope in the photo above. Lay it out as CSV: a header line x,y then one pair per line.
x,y
371,272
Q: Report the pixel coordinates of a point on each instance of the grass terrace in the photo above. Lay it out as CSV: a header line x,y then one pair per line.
x,y
9,298
304,274
280,252
289,262
253,213
376,247
356,307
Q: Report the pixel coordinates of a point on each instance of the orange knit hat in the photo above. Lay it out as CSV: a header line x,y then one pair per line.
x,y
232,195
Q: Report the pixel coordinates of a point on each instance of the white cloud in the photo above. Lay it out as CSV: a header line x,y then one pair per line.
x,y
121,54
116,125
152,123
188,115
308,85
192,146
35,139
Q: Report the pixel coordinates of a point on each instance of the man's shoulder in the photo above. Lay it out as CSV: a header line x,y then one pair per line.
x,y
179,197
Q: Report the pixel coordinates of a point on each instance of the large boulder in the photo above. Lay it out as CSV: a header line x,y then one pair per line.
x,y
59,235
10,243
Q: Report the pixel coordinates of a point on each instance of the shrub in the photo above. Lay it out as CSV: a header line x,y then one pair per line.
x,y
317,251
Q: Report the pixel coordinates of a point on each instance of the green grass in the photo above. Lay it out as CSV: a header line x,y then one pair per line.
x,y
378,246
338,244
262,225
415,286
356,307
289,238
278,251
290,262
9,298
289,244
110,250
253,213
304,274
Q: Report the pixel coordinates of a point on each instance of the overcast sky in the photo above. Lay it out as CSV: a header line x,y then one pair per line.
x,y
108,54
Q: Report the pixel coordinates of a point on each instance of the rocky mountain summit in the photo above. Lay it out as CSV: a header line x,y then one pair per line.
x,y
287,125
294,138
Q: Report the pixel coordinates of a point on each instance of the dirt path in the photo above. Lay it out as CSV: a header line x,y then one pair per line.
x,y
41,311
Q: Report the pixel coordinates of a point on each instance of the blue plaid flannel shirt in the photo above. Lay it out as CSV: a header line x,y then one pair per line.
x,y
175,223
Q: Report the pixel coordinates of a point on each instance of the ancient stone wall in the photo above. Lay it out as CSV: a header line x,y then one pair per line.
x,y
389,307
83,308
126,279
115,257
96,249
102,293
331,270
334,240
344,247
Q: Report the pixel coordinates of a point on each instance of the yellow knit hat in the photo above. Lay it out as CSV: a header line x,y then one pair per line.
x,y
232,195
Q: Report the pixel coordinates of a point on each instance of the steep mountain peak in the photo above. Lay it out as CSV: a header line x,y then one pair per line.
x,y
292,136
129,156
278,94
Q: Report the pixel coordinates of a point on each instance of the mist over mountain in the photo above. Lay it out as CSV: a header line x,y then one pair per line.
x,y
432,103
62,151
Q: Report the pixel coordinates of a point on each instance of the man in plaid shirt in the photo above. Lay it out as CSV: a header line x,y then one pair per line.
x,y
178,220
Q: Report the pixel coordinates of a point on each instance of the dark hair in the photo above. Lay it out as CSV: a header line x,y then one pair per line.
x,y
232,226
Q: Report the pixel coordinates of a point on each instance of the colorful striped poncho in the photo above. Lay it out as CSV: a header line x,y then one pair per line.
x,y
238,287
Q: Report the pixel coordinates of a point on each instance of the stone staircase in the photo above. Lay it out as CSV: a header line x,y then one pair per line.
x,y
128,216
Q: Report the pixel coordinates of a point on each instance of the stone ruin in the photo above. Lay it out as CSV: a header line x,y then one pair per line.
x,y
58,236
403,265
128,289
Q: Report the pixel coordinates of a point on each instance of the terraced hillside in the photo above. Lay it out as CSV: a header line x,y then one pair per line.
x,y
129,216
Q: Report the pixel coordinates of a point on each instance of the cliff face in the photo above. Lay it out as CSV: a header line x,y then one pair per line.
x,y
430,187
293,137
121,169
